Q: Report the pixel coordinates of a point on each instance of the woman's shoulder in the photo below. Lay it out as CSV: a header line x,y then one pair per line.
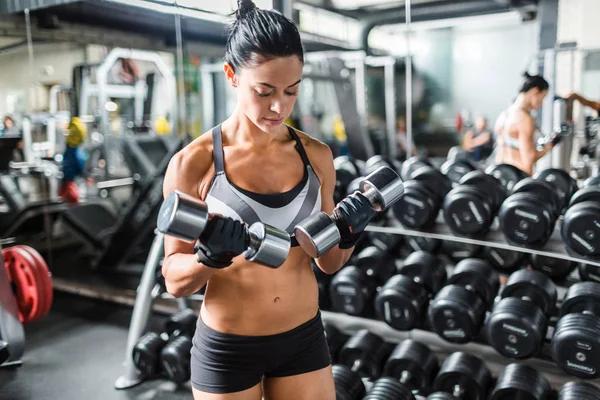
x,y
195,159
316,150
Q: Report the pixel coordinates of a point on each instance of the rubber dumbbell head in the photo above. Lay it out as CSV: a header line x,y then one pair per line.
x,y
435,182
364,353
576,338
555,268
182,323
528,215
346,170
351,291
458,310
319,232
521,382
146,354
185,217
592,181
589,272
376,263
418,208
175,359
507,174
402,301
562,181
421,243
579,391
335,340
517,325
387,242
348,384
458,251
488,184
389,389
464,376
380,161
456,169
412,364
440,396
580,229
502,260
411,165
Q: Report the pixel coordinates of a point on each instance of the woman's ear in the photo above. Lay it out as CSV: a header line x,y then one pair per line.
x,y
230,74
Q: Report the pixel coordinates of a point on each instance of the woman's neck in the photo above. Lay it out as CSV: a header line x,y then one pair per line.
x,y
523,103
242,130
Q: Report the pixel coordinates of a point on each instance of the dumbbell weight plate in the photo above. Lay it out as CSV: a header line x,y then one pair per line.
x,y
579,391
335,340
588,193
581,228
412,364
547,193
593,181
348,384
401,302
507,174
477,275
516,328
421,243
524,220
562,181
376,263
363,352
456,169
465,376
426,269
440,396
555,268
146,354
575,345
350,291
411,165
487,184
589,272
175,359
436,182
416,209
182,216
458,251
521,382
467,211
503,261
389,389
535,286
182,323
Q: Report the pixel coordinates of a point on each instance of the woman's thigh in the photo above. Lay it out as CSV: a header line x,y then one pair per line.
x,y
308,386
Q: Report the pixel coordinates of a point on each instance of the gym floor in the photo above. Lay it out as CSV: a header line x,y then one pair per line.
x,y
77,352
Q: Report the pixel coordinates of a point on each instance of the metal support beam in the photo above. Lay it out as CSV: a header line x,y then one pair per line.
x,y
548,20
17,6
285,7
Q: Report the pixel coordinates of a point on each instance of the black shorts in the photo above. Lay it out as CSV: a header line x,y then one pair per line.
x,y
227,363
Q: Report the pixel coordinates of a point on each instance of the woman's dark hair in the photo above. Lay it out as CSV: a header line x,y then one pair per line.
x,y
259,35
534,81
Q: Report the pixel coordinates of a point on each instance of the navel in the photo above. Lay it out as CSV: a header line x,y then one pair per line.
x,y
276,299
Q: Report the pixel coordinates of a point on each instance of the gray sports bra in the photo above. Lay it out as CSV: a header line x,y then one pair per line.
x,y
280,210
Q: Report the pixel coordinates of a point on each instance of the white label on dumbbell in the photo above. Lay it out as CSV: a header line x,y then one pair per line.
x,y
414,202
386,311
346,290
456,333
582,242
514,329
475,212
584,345
408,219
460,254
511,350
527,215
520,234
597,224
581,368
497,257
456,220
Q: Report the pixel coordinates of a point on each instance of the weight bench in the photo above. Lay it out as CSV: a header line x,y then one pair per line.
x,y
94,223
25,218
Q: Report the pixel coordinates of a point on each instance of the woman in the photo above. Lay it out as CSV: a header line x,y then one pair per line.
x,y
479,141
259,331
515,127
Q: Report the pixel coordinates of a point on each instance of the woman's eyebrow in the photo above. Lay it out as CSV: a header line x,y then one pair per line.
x,y
273,87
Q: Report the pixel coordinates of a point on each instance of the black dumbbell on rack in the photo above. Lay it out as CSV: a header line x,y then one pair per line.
x,y
389,389
471,207
588,272
507,174
423,197
580,228
412,364
521,382
348,384
502,260
456,168
335,340
346,170
458,251
555,268
168,352
576,340
352,289
403,300
421,243
579,391
364,353
528,215
518,323
411,165
563,183
457,312
463,376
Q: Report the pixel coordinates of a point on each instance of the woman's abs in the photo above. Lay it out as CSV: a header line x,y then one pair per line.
x,y
250,299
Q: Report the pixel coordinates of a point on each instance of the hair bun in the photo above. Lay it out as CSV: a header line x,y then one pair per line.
x,y
245,7
526,75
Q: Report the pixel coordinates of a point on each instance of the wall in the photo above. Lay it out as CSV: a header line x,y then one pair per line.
x,y
487,66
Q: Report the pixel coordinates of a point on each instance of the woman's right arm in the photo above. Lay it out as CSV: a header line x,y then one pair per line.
x,y
529,154
183,274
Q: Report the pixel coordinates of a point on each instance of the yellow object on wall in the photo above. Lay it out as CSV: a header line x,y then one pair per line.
x,y
76,132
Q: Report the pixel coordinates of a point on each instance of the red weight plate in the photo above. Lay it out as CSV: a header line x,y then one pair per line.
x,y
40,285
22,272
45,279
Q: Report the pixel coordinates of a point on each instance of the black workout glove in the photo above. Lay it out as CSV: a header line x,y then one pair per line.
x,y
352,215
557,139
221,241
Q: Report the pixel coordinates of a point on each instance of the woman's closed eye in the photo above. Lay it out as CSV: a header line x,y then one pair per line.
x,y
260,94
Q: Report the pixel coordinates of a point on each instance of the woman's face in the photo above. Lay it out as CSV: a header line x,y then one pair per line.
x,y
537,98
267,93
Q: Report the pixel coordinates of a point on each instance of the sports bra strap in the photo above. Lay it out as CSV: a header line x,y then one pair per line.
x,y
299,146
218,149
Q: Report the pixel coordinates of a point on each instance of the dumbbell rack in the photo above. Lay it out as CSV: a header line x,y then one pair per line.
x,y
554,248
